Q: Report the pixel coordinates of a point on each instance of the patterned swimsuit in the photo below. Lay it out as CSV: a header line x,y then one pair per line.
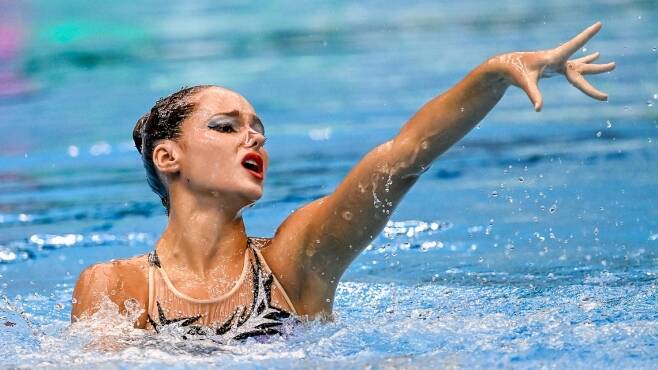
x,y
249,309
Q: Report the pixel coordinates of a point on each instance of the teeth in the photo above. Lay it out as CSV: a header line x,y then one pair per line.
x,y
252,162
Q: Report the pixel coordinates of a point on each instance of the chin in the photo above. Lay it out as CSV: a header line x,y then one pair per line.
x,y
252,194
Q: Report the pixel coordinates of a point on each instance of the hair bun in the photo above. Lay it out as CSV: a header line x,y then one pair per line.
x,y
139,130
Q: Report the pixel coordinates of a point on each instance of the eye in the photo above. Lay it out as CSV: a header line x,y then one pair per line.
x,y
258,127
223,125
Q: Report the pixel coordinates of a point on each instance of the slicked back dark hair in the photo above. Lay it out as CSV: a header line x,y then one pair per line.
x,y
163,122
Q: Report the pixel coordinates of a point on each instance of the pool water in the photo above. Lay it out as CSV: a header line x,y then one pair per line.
x,y
531,243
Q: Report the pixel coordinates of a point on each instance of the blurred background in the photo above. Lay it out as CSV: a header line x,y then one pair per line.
x,y
565,197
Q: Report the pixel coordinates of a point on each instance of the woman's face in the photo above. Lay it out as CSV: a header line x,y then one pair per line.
x,y
222,147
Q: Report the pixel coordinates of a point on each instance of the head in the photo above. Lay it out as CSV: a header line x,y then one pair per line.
x,y
205,141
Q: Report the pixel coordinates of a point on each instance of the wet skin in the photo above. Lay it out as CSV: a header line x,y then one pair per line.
x,y
209,184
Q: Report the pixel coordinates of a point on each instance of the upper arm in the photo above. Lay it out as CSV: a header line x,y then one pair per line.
x,y
316,243
353,215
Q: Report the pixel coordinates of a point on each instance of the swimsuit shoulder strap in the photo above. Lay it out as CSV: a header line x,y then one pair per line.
x,y
258,244
153,262
153,259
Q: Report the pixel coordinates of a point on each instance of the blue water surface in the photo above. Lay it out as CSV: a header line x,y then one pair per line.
x,y
532,243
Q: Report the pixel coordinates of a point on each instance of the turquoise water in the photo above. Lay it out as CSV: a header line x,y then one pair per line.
x,y
531,243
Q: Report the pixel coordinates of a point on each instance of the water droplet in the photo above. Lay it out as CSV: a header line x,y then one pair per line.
x,y
649,103
494,193
347,215
59,306
328,300
599,133
73,151
608,124
461,109
584,50
521,179
654,49
553,209
655,96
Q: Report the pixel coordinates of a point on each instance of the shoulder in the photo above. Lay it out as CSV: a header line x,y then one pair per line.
x,y
116,280
115,271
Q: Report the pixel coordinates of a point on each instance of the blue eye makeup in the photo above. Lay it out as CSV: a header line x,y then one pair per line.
x,y
224,124
232,124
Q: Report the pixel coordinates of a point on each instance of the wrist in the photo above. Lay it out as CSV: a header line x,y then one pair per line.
x,y
494,72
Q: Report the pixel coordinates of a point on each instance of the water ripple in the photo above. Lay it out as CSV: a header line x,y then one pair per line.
x,y
38,245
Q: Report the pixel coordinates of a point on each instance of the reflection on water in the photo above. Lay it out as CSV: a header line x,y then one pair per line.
x,y
532,242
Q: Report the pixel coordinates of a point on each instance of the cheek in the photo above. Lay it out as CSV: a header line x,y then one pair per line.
x,y
206,136
209,161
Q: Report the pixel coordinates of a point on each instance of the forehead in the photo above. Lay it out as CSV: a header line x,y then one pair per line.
x,y
220,100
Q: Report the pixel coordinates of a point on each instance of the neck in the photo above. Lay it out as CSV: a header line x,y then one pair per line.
x,y
201,236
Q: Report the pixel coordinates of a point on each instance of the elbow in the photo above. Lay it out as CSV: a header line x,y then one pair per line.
x,y
411,157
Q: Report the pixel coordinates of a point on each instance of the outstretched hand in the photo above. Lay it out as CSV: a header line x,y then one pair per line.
x,y
524,69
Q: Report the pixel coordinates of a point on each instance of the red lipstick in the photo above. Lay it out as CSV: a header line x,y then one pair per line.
x,y
253,163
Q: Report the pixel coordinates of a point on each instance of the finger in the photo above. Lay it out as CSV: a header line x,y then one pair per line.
x,y
581,83
571,46
589,69
529,85
587,58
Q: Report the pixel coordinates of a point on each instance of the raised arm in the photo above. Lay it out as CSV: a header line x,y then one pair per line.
x,y
322,238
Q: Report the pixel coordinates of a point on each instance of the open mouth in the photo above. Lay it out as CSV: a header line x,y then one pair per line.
x,y
254,164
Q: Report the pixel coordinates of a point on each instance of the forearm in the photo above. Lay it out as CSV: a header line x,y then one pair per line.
x,y
444,120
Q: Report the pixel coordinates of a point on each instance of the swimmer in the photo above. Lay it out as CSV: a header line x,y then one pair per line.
x,y
204,155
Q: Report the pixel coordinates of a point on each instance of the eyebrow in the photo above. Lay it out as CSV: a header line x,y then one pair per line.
x,y
236,113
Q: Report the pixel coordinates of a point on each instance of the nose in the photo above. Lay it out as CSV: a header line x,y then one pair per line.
x,y
254,139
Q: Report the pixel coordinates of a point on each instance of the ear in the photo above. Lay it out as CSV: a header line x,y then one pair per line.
x,y
166,157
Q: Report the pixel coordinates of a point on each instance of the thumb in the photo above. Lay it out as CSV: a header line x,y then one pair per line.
x,y
529,85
